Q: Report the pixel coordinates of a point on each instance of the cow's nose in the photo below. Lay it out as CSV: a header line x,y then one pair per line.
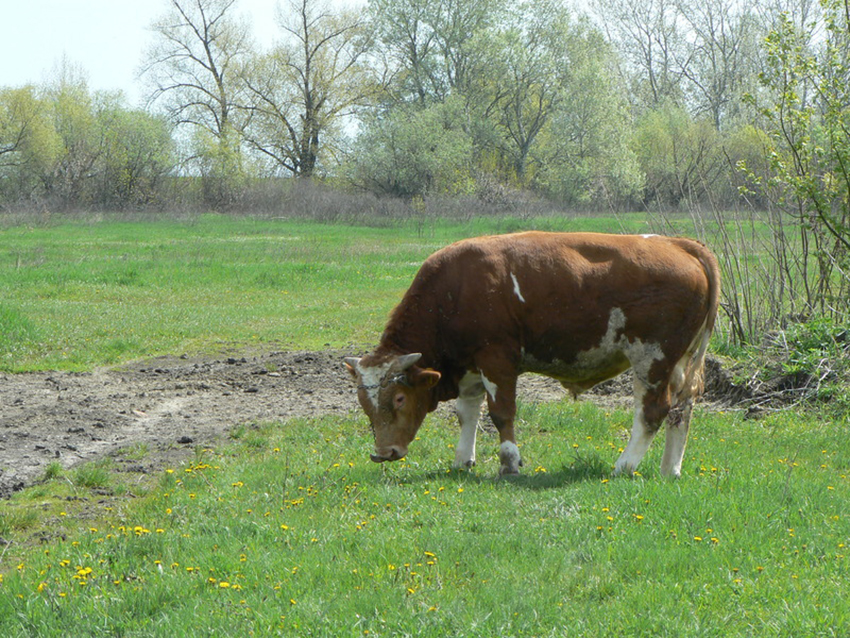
x,y
393,453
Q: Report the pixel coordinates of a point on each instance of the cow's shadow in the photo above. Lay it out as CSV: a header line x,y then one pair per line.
x,y
580,470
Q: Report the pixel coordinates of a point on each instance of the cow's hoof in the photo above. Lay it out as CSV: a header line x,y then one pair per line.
x,y
463,465
510,459
622,469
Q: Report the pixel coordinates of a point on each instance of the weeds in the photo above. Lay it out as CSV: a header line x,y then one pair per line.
x,y
92,475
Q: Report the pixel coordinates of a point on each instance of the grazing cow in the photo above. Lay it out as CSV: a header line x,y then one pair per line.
x,y
578,307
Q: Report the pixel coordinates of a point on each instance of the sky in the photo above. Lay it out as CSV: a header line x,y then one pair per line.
x,y
106,38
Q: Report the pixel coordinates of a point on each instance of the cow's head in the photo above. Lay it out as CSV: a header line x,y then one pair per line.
x,y
396,395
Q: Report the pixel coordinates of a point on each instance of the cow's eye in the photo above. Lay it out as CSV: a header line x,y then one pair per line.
x,y
399,400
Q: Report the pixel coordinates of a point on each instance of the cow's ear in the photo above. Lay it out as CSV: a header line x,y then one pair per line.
x,y
427,377
351,365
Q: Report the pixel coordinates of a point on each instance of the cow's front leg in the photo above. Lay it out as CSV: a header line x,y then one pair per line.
x,y
501,400
468,406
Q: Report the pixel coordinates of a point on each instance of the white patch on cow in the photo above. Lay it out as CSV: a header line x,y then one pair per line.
x,y
612,355
468,406
640,439
517,291
641,355
371,380
489,386
509,458
648,236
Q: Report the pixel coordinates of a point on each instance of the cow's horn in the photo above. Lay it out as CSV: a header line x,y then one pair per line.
x,y
407,360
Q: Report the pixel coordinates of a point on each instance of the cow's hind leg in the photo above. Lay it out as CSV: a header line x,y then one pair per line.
x,y
651,407
468,406
678,422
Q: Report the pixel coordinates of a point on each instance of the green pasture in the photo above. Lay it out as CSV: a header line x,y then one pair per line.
x,y
75,296
289,530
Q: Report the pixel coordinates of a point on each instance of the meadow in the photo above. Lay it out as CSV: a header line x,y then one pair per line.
x,y
77,295
289,529
286,528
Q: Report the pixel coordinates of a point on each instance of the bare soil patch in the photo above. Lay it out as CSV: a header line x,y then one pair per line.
x,y
173,404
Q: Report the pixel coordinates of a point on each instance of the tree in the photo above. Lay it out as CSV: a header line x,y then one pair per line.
x,y
138,155
301,92
413,152
194,68
195,63
648,36
75,118
679,155
28,143
808,151
719,61
432,45
584,149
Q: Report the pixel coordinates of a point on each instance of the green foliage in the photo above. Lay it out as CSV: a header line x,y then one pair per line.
x,y
73,148
811,361
303,535
29,143
52,471
222,166
809,148
414,152
92,475
679,156
584,151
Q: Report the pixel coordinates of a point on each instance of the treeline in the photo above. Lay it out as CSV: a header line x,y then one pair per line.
x,y
622,104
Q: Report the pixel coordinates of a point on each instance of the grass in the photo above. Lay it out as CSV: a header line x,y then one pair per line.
x,y
288,529
80,295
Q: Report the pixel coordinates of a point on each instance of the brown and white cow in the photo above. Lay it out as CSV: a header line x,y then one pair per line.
x,y
578,307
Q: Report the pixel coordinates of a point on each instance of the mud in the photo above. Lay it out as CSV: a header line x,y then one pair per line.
x,y
170,405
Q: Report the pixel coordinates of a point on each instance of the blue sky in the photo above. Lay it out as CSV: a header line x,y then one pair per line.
x,y
106,38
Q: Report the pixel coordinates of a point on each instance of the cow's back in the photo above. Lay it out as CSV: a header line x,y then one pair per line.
x,y
549,297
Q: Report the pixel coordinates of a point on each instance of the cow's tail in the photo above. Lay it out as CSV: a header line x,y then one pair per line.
x,y
689,376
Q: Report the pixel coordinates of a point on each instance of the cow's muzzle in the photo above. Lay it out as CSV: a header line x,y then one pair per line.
x,y
391,454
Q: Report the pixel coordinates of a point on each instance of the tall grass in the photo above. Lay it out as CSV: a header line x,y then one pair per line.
x,y
292,531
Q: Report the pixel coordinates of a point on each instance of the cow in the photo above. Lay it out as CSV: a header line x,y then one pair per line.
x,y
578,307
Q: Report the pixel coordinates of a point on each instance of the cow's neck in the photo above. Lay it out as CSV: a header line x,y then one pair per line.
x,y
409,330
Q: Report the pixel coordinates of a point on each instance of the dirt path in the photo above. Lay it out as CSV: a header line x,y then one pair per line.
x,y
167,403
170,404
